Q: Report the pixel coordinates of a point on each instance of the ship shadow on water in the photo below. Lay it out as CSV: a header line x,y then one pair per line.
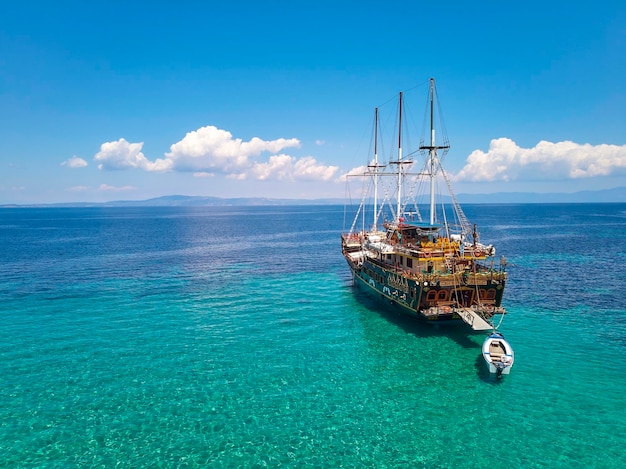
x,y
457,332
412,325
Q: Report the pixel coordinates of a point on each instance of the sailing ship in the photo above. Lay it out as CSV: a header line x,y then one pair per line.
x,y
423,257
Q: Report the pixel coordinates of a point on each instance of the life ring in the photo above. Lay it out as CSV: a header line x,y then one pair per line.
x,y
427,254
446,309
504,359
478,252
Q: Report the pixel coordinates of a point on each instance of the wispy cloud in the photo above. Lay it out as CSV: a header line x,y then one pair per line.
x,y
108,188
13,188
77,189
74,162
506,161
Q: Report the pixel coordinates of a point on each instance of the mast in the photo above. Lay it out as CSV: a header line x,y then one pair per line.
x,y
374,228
398,214
432,151
374,168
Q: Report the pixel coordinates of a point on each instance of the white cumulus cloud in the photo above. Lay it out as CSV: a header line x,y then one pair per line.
x,y
124,155
288,168
74,162
209,151
358,171
277,167
506,161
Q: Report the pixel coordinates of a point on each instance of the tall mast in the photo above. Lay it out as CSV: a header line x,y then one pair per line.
x,y
432,151
374,228
374,168
398,214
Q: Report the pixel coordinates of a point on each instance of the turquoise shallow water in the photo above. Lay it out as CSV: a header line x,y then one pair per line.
x,y
176,337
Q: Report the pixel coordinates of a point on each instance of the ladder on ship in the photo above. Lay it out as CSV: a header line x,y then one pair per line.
x,y
473,319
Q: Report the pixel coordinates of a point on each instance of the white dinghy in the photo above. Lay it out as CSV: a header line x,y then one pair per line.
x,y
498,354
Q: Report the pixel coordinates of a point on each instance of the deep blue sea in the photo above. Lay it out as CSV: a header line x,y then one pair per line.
x,y
232,337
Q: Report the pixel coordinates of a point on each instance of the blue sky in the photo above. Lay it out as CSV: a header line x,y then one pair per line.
x,y
131,100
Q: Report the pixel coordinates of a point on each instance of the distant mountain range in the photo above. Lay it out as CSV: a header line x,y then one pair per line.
x,y
617,194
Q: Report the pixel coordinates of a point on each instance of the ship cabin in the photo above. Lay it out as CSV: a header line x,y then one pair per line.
x,y
421,248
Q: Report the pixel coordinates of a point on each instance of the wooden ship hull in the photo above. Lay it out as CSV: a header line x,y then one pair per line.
x,y
435,285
